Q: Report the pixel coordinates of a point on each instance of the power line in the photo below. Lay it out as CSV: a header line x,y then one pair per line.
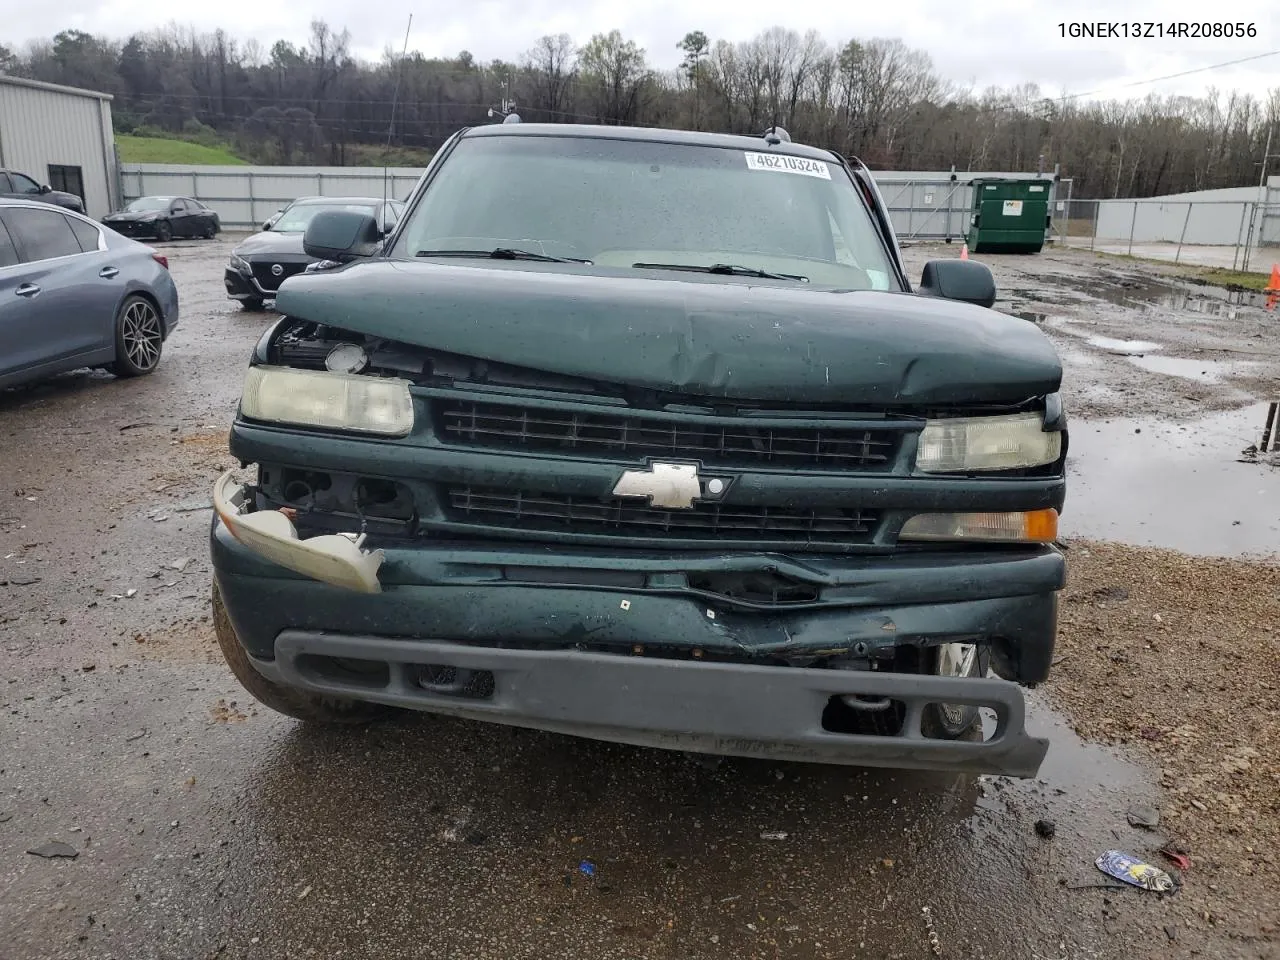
x,y
451,106
1171,76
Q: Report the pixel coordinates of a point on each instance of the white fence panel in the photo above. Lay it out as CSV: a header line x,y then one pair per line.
x,y
927,205
246,196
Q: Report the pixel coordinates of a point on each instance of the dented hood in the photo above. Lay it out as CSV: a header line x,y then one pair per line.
x,y
696,334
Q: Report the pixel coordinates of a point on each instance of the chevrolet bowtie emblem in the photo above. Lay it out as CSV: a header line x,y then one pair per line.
x,y
671,485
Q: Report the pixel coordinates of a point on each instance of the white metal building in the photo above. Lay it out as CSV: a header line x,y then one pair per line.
x,y
60,136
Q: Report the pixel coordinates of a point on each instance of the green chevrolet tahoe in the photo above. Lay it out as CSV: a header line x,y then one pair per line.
x,y
644,435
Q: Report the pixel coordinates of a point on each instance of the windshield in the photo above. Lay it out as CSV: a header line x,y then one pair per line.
x,y
144,204
623,202
296,218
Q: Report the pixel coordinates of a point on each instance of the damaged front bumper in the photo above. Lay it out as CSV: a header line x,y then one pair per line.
x,y
642,647
735,709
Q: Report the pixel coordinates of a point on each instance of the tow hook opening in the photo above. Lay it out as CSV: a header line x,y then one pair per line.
x,y
864,716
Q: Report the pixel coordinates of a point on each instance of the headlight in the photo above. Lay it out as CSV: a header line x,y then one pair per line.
x,y
335,400
240,264
1035,526
986,443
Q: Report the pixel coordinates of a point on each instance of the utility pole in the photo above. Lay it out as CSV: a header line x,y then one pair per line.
x,y
1266,155
508,105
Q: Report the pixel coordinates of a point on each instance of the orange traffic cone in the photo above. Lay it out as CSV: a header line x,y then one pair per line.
x,y
964,254
1273,286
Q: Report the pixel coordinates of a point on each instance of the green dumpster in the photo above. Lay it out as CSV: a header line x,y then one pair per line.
x,y
1009,216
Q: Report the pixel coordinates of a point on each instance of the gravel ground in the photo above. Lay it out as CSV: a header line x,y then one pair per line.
x,y
1178,659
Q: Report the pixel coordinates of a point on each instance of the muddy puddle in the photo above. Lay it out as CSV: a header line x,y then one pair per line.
x,y
1143,295
1178,485
1123,347
1201,371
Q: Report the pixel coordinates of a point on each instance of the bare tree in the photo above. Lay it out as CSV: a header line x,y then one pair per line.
x,y
551,68
616,71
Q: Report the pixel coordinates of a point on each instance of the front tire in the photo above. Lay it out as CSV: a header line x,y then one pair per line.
x,y
139,338
253,305
954,721
164,232
308,707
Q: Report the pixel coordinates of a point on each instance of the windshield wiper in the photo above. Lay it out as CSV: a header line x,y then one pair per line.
x,y
726,269
500,253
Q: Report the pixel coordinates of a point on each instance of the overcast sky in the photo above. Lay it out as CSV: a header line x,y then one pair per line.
x,y
972,42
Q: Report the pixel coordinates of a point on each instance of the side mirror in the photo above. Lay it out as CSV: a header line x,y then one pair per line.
x,y
266,224
45,188
962,280
341,235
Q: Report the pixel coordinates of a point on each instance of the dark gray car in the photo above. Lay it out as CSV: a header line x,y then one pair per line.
x,y
18,186
263,261
74,294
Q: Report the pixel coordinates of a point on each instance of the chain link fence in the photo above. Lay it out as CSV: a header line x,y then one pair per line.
x,y
1240,236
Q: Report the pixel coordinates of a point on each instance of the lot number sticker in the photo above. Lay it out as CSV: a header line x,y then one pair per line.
x,y
780,163
1013,208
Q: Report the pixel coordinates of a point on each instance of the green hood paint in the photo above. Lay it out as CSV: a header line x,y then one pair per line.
x,y
696,334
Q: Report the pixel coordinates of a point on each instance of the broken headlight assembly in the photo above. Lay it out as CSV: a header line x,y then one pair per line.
x,y
965,444
336,401
338,559
239,264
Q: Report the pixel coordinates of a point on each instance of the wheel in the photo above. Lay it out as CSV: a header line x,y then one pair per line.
x,y
210,232
298,704
139,338
954,721
253,305
164,232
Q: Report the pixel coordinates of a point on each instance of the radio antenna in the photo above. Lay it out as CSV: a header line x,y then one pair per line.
x,y
395,97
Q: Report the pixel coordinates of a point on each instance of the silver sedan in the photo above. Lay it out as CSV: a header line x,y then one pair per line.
x,y
74,294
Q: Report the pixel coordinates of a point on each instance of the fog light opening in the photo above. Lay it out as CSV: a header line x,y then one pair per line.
x,y
447,680
345,671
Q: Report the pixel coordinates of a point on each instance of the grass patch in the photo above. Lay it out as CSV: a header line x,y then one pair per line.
x,y
370,155
161,150
1211,276
1233,279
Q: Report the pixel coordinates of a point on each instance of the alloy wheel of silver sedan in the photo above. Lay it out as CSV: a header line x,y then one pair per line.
x,y
139,338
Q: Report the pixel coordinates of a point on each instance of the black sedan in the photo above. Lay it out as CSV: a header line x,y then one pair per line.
x,y
164,218
265,260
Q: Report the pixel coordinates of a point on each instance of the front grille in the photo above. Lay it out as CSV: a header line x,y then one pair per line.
x,y
733,443
268,281
525,510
